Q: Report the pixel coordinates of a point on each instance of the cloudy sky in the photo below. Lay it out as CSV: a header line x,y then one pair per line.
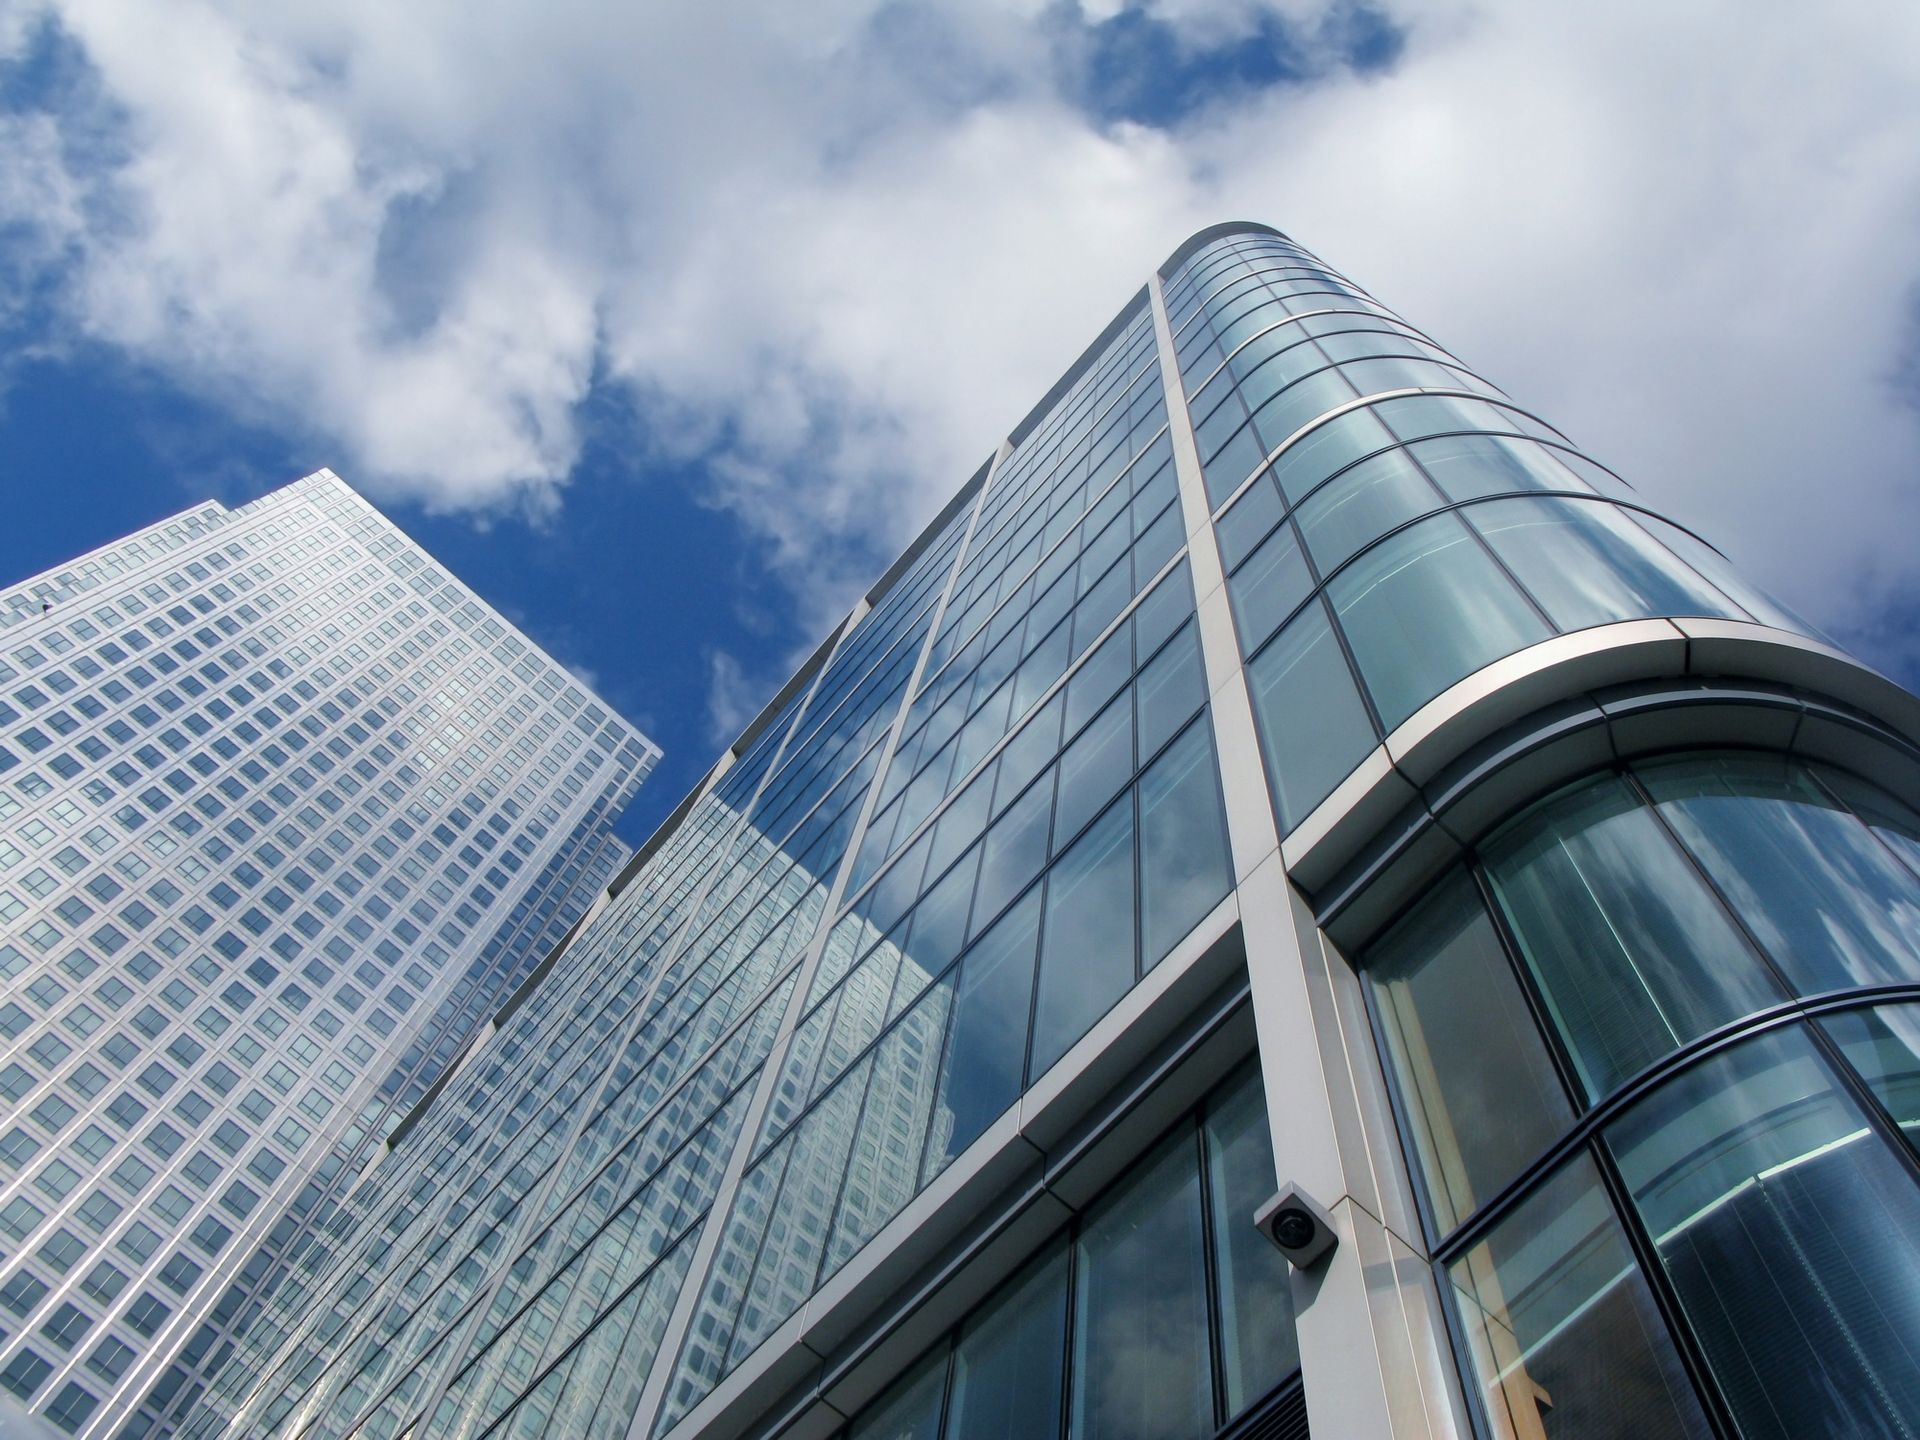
x,y
666,324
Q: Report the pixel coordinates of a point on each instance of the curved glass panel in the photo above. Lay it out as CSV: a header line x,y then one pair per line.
x,y
1791,1234
1883,1044
1832,907
1467,467
1464,1047
1363,503
1427,607
1588,564
1330,447
1566,1340
1633,954
1713,565
1897,825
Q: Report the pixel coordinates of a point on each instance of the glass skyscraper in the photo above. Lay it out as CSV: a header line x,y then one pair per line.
x,y
285,811
1287,764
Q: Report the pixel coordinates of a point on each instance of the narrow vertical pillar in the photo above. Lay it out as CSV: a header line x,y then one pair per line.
x,y
1367,1316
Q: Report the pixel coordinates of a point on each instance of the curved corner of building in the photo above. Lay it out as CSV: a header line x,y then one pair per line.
x,y
1540,717
1211,233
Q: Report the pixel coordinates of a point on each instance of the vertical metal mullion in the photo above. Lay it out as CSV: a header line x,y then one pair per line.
x,y
952,1369
1855,1085
1069,1330
1209,1264
674,1336
1559,1053
1686,1344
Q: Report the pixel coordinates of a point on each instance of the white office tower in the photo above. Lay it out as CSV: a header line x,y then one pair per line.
x,y
285,811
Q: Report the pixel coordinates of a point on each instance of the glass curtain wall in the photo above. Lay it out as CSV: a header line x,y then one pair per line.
x,y
1161,1314
1688,989
1389,521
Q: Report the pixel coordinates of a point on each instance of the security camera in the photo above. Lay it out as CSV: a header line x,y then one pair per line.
x,y
1298,1225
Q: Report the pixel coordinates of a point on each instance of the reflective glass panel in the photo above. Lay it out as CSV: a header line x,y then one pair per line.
x,y
1257,1345
1140,1364
1632,952
1337,443
1831,906
1362,504
1007,1380
1086,958
987,1044
1427,607
1883,1044
1464,1046
1312,722
911,1409
1792,1234
1894,822
1184,867
1588,564
1269,587
1567,1343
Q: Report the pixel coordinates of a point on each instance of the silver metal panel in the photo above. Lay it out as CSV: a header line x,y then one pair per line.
x,y
918,1235
1760,652
932,1314
1362,1114
1359,805
1370,1368
1127,1033
1502,692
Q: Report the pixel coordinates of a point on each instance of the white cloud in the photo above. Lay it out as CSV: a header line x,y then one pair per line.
x,y
733,698
833,249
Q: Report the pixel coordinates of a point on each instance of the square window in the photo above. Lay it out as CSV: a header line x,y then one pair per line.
x,y
22,1292
72,1407
99,1210
131,1174
146,1315
62,1250
24,1374
66,1325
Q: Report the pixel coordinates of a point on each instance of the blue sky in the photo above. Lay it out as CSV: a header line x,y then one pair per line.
x,y
665,330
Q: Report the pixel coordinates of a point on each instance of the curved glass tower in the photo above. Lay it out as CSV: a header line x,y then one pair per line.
x,y
1286,763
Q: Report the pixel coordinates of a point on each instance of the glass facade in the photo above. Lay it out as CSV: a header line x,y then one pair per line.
x,y
1688,959
923,1075
282,810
